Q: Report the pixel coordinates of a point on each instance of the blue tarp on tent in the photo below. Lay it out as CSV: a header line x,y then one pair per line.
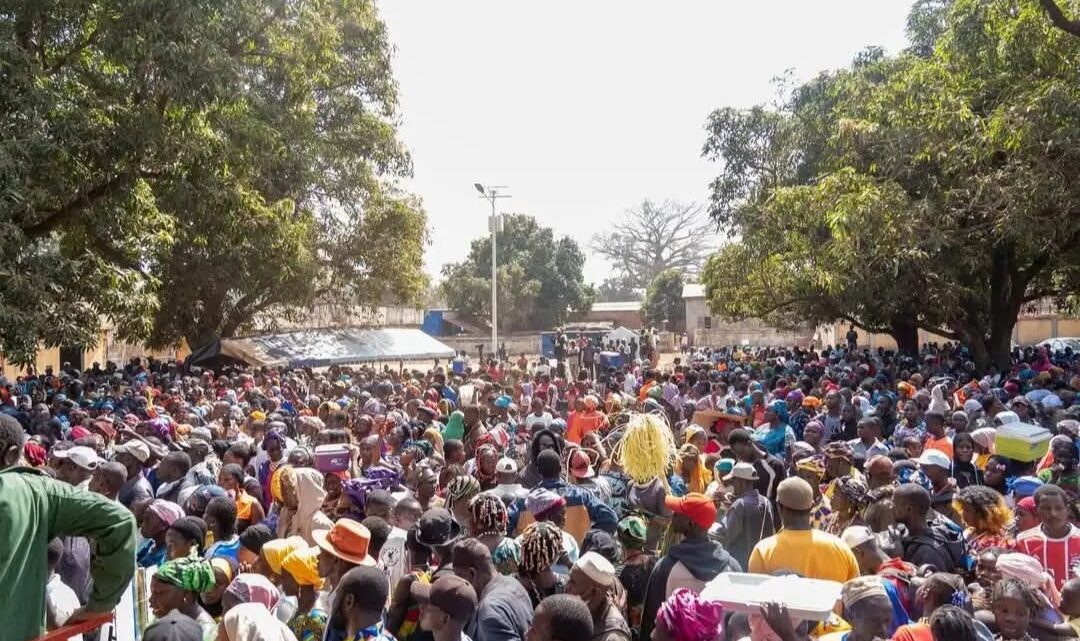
x,y
325,347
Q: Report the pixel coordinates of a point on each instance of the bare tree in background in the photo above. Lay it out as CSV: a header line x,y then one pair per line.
x,y
651,238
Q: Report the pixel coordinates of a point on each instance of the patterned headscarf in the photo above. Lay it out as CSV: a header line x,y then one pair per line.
x,y
813,464
284,478
913,475
167,511
853,489
687,617
840,450
461,488
189,573
632,532
541,545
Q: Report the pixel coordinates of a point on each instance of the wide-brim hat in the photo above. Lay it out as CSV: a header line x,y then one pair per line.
x,y
347,540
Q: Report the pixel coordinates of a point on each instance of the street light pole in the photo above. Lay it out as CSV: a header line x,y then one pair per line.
x,y
491,193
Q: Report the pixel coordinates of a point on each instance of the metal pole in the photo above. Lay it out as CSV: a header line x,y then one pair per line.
x,y
494,224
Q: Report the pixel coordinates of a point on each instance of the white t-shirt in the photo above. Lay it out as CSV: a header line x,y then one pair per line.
x,y
60,602
392,555
543,420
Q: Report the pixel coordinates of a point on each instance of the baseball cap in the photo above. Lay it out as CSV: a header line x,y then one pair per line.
x,y
580,465
82,456
134,447
795,493
935,457
700,508
742,470
856,535
451,594
506,465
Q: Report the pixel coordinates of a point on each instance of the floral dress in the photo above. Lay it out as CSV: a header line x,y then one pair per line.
x,y
310,626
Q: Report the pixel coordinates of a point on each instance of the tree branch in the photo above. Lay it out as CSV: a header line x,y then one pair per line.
x,y
54,218
67,57
1058,18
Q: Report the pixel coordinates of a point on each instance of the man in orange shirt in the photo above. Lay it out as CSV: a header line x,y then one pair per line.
x,y
586,420
936,439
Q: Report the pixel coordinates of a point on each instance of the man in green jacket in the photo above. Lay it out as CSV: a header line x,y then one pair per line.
x,y
34,509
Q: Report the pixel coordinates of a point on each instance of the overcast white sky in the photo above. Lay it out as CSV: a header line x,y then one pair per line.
x,y
584,108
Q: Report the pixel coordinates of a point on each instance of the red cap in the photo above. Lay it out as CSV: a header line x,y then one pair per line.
x,y
698,507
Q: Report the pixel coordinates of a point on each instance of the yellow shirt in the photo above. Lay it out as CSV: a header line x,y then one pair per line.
x,y
811,554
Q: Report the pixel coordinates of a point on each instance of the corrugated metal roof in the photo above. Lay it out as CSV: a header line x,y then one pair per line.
x,y
693,290
325,347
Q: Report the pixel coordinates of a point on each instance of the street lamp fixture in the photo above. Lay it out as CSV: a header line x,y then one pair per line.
x,y
491,194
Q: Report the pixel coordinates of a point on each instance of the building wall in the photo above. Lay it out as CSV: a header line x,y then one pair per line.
x,y
629,319
528,344
705,329
1027,331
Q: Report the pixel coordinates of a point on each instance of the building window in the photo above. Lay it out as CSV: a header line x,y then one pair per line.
x,y
707,322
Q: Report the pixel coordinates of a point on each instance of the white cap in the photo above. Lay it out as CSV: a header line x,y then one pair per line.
x,y
84,457
935,457
856,535
597,568
742,470
134,447
506,465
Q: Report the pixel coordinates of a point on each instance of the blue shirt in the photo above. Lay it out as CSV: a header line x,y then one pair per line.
x,y
149,555
229,549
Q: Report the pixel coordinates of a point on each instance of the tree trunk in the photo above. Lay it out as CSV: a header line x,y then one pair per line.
x,y
906,334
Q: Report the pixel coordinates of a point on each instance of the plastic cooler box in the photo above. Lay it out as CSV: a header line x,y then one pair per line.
x,y
1022,441
332,458
806,599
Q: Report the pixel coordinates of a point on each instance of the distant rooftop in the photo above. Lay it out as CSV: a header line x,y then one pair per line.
x,y
693,290
618,306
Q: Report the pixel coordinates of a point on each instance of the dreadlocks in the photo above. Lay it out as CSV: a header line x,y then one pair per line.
x,y
541,544
489,515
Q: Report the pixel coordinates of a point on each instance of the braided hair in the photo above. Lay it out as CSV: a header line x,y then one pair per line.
x,y
489,515
541,545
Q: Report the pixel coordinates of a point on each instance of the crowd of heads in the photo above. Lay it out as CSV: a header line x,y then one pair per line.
x,y
287,500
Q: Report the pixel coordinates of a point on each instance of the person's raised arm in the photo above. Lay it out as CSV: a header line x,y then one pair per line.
x,y
111,528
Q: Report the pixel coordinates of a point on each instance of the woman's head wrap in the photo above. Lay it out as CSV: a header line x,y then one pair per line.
x,y
853,489
167,511
632,532
190,574
687,617
275,551
254,588
461,488
303,566
813,464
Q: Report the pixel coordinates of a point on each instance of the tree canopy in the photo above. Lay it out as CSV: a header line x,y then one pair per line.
x,y
663,306
934,189
178,166
540,277
652,238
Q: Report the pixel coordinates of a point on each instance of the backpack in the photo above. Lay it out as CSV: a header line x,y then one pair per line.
x,y
947,537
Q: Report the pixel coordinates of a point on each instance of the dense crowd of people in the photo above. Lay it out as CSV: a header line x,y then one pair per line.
x,y
561,500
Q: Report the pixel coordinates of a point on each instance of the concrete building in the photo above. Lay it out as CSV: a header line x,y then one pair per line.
x,y
705,329
622,313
